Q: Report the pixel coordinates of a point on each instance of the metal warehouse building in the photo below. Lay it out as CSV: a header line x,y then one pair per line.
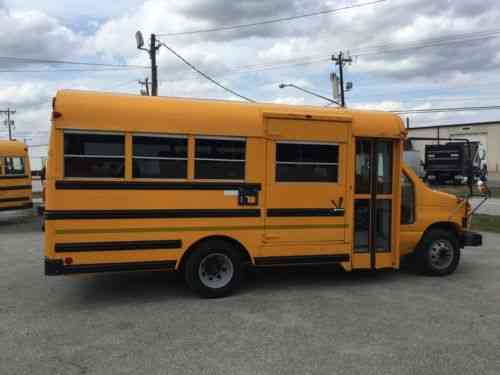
x,y
488,133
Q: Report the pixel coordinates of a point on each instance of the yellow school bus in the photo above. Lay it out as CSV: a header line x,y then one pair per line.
x,y
208,188
15,176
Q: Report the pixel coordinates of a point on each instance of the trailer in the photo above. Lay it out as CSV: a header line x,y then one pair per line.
x,y
451,161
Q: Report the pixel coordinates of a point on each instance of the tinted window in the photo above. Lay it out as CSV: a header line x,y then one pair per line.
x,y
407,200
14,165
363,166
383,151
301,162
220,149
160,147
220,159
159,157
94,155
94,144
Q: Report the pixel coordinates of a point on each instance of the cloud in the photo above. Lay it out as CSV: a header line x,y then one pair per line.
x,y
97,31
36,35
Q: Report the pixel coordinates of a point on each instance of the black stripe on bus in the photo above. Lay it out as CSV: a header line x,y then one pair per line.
x,y
117,246
20,207
301,260
14,199
11,177
55,267
149,214
15,187
146,185
304,212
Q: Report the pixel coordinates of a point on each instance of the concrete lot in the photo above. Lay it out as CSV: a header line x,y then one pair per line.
x,y
301,321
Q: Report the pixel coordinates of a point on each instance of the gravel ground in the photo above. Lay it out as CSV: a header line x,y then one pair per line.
x,y
283,321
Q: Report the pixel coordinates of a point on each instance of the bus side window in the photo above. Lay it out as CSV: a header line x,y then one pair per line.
x,y
94,155
220,159
14,165
407,200
306,162
159,157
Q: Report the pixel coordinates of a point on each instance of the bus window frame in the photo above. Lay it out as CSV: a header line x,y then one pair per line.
x,y
94,132
157,135
299,142
407,175
221,138
4,165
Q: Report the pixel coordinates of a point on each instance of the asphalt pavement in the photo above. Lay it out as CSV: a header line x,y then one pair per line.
x,y
283,321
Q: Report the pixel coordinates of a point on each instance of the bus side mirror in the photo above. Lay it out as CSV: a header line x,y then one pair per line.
x,y
482,187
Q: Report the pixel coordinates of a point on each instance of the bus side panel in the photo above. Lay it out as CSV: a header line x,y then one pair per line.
x,y
127,225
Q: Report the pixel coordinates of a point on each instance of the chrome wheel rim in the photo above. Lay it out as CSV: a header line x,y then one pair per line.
x,y
441,254
216,270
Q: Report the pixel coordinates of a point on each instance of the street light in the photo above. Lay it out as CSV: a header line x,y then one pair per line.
x,y
283,85
153,47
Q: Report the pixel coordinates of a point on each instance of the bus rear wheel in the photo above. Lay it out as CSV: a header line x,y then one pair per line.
x,y
438,253
213,269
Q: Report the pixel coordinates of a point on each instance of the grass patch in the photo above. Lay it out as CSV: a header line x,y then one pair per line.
x,y
486,223
463,191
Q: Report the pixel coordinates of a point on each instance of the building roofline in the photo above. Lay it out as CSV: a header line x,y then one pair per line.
x,y
455,125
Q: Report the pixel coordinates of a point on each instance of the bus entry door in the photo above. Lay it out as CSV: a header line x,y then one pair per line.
x,y
375,204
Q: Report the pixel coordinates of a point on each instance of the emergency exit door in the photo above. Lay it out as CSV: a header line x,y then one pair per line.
x,y
374,203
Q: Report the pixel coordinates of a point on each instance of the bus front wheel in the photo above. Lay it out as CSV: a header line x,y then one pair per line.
x,y
213,269
438,253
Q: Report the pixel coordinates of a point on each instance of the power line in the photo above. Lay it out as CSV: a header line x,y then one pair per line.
x,y
64,70
374,50
270,21
46,61
452,109
205,75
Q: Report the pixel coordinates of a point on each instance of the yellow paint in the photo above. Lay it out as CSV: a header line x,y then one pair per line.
x,y
262,125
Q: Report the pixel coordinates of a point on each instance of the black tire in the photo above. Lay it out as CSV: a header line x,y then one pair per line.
x,y
438,253
208,260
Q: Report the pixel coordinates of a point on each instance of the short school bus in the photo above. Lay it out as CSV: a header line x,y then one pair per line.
x,y
15,176
209,187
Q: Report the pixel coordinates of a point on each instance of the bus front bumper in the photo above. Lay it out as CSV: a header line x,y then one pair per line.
x,y
471,239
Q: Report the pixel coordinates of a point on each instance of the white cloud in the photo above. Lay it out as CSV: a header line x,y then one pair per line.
x,y
104,32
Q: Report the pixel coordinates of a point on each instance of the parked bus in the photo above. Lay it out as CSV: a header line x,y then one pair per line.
x,y
208,188
15,176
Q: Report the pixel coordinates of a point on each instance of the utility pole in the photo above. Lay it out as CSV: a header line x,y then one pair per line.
x,y
154,68
9,122
341,60
153,47
146,84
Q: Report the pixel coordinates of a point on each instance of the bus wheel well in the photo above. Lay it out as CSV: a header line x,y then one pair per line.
x,y
245,255
443,225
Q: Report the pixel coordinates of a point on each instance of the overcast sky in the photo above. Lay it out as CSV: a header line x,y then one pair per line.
x,y
463,73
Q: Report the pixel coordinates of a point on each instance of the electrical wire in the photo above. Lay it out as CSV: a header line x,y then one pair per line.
x,y
367,51
63,70
206,75
439,110
271,21
46,61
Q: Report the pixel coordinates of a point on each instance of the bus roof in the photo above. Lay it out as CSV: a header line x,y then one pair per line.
x,y
12,148
121,112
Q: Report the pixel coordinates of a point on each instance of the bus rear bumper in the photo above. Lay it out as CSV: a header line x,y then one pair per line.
x,y
53,267
471,239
